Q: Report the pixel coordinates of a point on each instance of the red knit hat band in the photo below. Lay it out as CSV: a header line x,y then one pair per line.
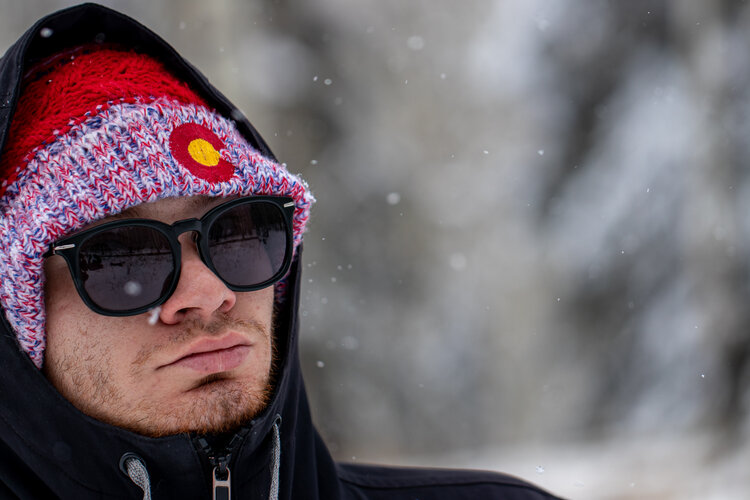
x,y
69,87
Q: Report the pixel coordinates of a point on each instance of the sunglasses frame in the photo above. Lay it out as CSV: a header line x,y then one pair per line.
x,y
69,248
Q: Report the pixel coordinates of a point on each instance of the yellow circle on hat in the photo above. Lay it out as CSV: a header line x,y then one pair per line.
x,y
203,152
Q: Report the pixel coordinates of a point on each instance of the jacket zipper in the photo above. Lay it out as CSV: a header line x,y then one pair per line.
x,y
221,478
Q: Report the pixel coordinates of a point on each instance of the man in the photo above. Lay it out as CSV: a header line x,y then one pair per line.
x,y
149,282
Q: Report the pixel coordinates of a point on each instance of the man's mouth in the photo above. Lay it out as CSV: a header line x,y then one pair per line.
x,y
214,355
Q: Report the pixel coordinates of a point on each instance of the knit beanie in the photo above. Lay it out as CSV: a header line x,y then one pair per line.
x,y
98,130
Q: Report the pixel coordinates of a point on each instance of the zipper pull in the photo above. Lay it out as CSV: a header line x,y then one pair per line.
x,y
222,487
220,476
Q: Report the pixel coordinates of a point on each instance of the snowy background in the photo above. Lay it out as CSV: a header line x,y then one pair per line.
x,y
529,252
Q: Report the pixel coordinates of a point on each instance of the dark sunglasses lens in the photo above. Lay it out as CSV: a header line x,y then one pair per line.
x,y
248,243
126,268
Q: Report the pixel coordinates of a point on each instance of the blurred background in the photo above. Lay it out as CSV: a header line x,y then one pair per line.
x,y
529,252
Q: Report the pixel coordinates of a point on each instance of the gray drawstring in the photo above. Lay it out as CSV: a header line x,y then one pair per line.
x,y
132,465
276,465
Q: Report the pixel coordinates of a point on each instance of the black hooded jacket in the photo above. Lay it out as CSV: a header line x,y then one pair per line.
x,y
49,449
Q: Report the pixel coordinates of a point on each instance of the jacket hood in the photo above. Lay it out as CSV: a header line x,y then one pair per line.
x,y
54,450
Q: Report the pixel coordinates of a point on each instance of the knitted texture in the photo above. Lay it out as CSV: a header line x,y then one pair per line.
x,y
68,87
109,156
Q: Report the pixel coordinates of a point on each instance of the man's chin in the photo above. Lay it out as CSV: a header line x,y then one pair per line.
x,y
216,405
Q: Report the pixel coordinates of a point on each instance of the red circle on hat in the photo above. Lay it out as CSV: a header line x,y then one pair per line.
x,y
197,149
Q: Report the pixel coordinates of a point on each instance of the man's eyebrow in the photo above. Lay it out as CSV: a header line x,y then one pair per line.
x,y
133,212
128,213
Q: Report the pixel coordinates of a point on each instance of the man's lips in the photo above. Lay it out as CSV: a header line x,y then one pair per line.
x,y
214,355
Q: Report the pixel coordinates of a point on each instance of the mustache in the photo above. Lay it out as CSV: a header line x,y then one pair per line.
x,y
193,328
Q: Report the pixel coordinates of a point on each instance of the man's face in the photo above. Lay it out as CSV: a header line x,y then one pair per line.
x,y
204,366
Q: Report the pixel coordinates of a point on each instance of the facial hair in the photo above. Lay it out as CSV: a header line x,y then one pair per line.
x,y
217,404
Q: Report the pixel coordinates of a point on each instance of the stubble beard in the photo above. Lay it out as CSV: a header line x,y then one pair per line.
x,y
225,406
219,404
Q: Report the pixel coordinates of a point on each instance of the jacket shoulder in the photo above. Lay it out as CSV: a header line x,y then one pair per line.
x,y
372,482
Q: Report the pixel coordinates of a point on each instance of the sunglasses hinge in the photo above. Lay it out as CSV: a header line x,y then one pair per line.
x,y
63,247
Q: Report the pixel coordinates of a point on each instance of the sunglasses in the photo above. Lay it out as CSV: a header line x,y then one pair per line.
x,y
130,266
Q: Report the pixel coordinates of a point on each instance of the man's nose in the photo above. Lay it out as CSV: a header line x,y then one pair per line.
x,y
199,293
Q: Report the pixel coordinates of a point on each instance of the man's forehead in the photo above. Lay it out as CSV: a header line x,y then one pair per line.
x,y
167,210
167,206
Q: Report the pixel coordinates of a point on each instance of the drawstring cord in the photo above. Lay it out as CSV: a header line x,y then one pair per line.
x,y
132,465
273,494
